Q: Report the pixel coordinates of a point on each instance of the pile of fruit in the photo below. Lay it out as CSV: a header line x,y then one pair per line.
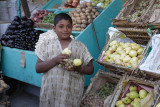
x,y
69,63
83,15
100,3
137,11
137,97
71,4
39,15
21,34
96,99
124,54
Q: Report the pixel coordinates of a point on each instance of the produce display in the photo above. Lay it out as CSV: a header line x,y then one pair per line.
x,y
97,99
100,3
39,15
71,4
3,85
137,11
136,97
49,18
124,54
70,63
83,15
21,34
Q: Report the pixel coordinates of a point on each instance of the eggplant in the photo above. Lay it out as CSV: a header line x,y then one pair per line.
x,y
9,31
21,26
29,23
22,30
4,43
10,43
15,23
23,18
12,27
16,18
16,31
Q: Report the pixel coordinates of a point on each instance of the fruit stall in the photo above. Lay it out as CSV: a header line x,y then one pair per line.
x,y
131,55
122,36
18,57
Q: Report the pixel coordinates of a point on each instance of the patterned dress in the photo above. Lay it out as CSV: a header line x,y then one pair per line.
x,y
61,88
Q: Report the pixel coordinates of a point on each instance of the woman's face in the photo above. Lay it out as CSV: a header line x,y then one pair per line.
x,y
63,29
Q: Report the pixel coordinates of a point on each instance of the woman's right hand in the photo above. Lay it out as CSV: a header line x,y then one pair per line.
x,y
60,58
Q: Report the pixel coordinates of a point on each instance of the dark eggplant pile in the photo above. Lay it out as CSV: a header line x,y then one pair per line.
x,y
21,34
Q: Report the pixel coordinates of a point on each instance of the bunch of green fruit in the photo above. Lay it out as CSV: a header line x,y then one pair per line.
x,y
137,97
106,90
69,63
101,3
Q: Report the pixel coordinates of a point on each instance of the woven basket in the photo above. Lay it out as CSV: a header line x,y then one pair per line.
x,y
130,79
139,36
129,9
43,25
97,82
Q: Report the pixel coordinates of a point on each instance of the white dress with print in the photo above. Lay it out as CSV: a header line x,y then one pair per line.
x,y
61,88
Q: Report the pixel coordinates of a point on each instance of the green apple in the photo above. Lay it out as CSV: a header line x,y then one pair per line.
x,y
133,95
127,95
136,104
142,93
126,100
137,99
119,102
133,88
94,4
102,1
122,105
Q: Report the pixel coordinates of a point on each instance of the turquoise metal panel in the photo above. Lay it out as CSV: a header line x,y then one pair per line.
x,y
101,24
11,66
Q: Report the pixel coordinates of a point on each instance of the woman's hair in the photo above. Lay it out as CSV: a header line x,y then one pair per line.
x,y
62,16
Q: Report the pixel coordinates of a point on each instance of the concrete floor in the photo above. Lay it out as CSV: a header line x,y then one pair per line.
x,y
25,96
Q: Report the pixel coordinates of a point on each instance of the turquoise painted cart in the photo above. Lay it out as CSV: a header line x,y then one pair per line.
x,y
11,56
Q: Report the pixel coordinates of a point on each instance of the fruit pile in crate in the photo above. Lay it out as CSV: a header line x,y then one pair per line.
x,y
101,88
71,3
43,19
124,49
83,15
135,92
100,3
124,54
132,14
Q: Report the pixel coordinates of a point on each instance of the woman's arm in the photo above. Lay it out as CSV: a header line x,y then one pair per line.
x,y
45,66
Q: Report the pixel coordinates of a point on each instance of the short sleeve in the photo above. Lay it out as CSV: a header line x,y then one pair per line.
x,y
40,49
86,56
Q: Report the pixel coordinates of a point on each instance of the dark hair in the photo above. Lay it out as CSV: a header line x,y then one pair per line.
x,y
61,16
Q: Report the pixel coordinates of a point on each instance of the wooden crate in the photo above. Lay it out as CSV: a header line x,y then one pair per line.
x,y
130,7
91,96
139,36
131,79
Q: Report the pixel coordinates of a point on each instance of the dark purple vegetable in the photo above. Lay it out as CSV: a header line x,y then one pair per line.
x,y
4,43
16,18
23,18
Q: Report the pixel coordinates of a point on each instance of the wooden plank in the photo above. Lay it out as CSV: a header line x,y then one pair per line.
x,y
25,8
